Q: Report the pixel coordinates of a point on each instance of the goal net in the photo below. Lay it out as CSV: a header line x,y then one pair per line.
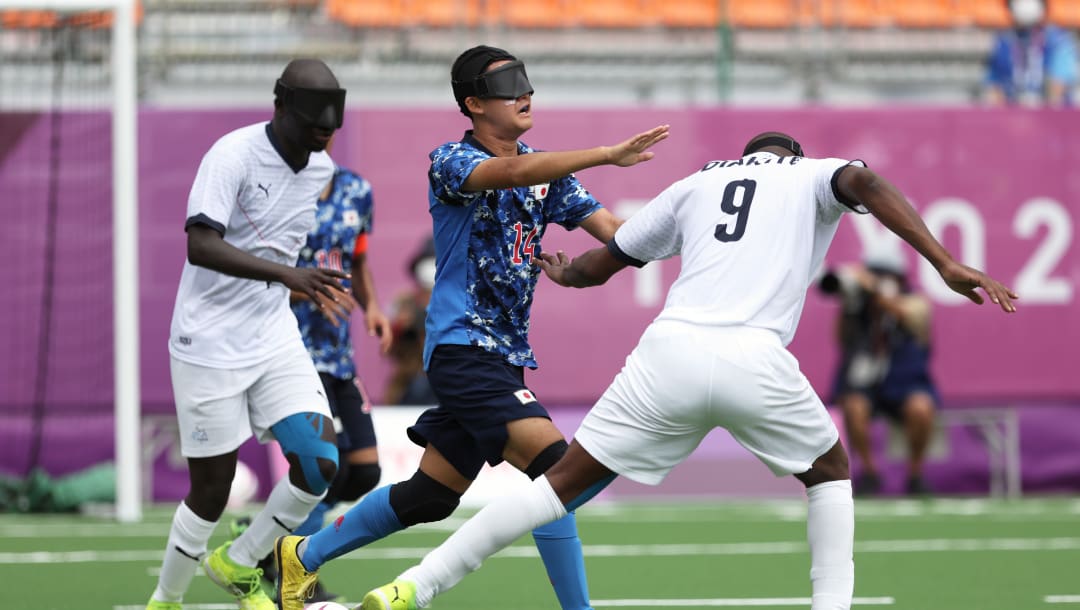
x,y
69,363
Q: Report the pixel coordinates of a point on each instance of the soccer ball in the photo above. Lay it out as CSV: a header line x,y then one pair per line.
x,y
244,487
325,606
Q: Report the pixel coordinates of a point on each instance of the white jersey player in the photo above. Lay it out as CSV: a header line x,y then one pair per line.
x,y
238,363
751,233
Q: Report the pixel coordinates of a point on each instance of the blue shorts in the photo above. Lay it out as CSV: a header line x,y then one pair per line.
x,y
887,398
479,393
352,412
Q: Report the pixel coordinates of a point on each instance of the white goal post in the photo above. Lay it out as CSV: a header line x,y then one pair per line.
x,y
125,241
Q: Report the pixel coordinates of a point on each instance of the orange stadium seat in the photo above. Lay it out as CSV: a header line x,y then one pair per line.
x,y
762,13
610,14
33,19
532,13
367,13
854,13
1065,13
29,19
444,13
685,13
922,13
986,13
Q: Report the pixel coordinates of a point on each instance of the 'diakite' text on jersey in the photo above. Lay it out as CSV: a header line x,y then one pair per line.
x,y
340,220
485,242
752,233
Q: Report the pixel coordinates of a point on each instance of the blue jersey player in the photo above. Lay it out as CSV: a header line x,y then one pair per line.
x,y
491,198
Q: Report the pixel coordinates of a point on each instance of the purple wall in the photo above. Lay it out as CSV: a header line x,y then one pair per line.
x,y
1001,183
1000,186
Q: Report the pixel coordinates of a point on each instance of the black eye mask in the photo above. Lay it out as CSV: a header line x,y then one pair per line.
x,y
507,82
320,107
787,143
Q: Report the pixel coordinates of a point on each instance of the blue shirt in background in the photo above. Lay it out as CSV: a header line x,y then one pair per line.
x,y
341,218
1023,60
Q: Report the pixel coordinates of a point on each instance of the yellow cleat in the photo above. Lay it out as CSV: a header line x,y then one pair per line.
x,y
295,584
243,582
398,595
154,604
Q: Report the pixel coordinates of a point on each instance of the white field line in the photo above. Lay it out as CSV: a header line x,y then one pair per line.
x,y
1062,599
746,602
155,530
938,545
782,510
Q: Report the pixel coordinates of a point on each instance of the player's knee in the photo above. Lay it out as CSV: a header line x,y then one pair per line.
x,y
358,480
833,466
546,459
919,407
422,499
313,459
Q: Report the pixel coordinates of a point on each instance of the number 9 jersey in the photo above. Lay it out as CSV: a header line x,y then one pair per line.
x,y
752,233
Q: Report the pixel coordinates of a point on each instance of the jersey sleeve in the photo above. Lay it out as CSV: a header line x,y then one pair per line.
x,y
569,203
451,166
650,234
831,203
216,189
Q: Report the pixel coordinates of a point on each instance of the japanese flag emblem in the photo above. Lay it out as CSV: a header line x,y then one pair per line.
x,y
525,396
539,191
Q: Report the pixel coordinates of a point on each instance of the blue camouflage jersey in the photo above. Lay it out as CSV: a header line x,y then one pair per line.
x,y
340,219
485,243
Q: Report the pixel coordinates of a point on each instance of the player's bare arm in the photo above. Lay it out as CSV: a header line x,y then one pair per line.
x,y
540,167
207,248
592,268
602,225
363,290
890,206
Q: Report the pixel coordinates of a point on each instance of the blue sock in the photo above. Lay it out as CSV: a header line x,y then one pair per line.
x,y
560,548
370,520
314,521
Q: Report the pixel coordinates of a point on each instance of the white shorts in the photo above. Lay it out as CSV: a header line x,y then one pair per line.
x,y
681,381
219,409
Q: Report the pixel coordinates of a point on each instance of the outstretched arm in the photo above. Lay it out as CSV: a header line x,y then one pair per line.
x,y
590,269
541,167
890,206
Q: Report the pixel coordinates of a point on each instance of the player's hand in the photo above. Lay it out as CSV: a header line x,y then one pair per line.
x,y
378,325
633,151
554,265
322,286
337,309
964,280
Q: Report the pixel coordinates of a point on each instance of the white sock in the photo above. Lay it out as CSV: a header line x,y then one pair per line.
x,y
501,522
830,529
287,507
187,545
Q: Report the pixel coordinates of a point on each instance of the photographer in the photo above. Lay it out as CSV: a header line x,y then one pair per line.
x,y
884,335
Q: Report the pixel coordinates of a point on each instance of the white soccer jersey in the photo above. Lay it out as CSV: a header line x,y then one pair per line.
x,y
247,191
751,233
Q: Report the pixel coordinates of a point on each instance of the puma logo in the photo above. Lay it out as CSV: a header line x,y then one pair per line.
x,y
264,189
397,596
